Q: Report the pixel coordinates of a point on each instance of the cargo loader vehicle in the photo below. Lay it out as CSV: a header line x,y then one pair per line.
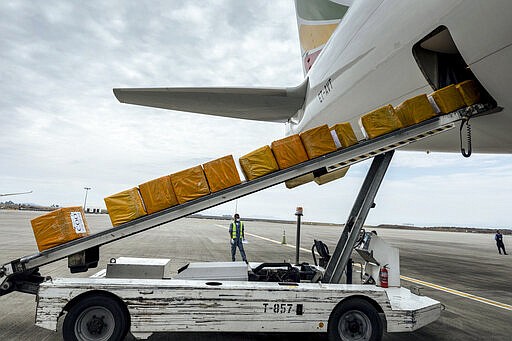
x,y
137,296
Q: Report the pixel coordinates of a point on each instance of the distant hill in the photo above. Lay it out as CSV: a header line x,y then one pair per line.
x,y
445,228
367,227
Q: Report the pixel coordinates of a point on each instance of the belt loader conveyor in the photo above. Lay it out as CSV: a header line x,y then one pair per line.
x,y
22,274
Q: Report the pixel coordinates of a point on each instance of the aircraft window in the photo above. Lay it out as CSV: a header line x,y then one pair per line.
x,y
440,61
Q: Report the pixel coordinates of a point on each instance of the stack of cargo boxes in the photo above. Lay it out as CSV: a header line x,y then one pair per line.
x,y
222,173
171,190
167,191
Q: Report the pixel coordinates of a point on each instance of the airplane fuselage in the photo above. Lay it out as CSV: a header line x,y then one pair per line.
x,y
369,62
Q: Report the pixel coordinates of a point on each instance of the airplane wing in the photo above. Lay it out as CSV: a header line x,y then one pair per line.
x,y
260,104
7,194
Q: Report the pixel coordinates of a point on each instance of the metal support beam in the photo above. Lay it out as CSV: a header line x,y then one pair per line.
x,y
364,202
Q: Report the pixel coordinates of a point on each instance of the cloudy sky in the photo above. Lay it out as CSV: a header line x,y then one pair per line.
x,y
62,129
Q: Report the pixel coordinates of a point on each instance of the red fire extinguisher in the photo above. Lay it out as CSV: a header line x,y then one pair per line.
x,y
383,276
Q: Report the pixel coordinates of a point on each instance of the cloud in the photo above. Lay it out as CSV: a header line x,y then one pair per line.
x,y
475,194
61,127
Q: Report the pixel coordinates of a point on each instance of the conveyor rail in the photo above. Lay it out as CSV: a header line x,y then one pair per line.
x,y
364,150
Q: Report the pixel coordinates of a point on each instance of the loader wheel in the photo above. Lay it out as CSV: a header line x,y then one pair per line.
x,y
355,319
96,318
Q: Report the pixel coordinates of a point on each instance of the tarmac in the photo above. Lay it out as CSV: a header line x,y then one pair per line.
x,y
461,270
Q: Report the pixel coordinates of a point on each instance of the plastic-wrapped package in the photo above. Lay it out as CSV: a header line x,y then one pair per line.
x,y
380,121
318,141
343,135
289,151
298,181
414,110
469,91
190,184
221,173
158,194
125,206
448,99
331,176
59,226
258,163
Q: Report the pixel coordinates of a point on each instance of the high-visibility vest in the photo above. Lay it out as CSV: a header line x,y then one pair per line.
x,y
233,230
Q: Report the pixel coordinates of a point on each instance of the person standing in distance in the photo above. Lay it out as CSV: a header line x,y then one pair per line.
x,y
236,234
499,242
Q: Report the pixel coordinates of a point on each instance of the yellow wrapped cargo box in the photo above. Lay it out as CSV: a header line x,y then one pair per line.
x,y
380,122
331,176
59,226
125,206
221,173
258,163
158,194
414,110
318,141
298,181
448,99
470,92
289,151
190,184
343,135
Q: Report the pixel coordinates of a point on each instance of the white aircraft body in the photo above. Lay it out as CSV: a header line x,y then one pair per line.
x,y
360,55
370,62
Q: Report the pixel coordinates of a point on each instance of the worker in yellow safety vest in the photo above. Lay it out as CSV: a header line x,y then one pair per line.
x,y
237,236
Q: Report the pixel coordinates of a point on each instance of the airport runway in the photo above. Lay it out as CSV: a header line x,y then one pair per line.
x,y
479,306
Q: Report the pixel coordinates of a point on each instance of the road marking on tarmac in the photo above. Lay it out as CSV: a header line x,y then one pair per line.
x,y
405,278
459,293
267,239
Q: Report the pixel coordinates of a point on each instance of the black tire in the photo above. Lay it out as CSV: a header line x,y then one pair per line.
x,y
355,319
98,318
